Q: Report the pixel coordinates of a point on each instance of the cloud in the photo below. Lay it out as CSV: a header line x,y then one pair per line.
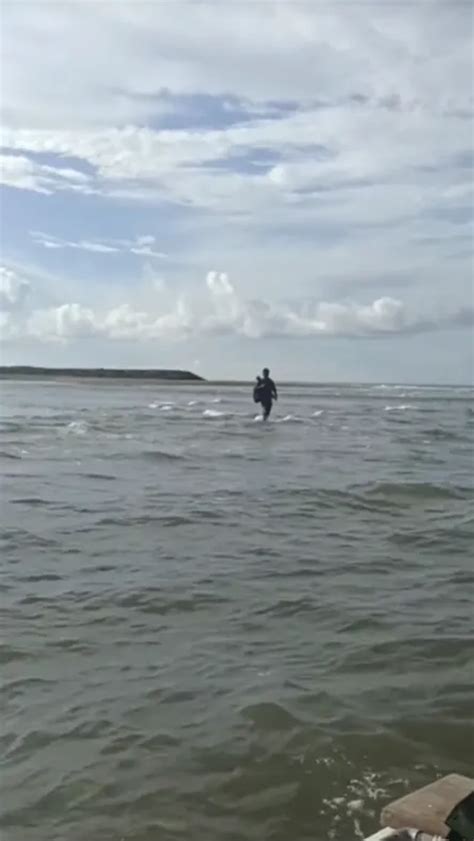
x,y
25,174
13,290
330,157
258,318
143,241
141,245
220,311
358,117
146,251
123,66
377,166
97,247
68,321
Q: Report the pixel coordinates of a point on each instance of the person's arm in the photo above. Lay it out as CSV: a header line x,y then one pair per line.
x,y
274,391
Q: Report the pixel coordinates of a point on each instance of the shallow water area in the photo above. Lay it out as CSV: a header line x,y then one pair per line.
x,y
227,630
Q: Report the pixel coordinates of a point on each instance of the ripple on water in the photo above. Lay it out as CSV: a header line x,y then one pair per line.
x,y
270,716
222,630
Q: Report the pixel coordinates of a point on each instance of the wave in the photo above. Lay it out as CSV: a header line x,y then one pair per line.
x,y
32,501
268,716
403,407
374,498
12,426
42,576
104,477
155,601
456,538
440,434
6,454
288,607
165,521
384,387
213,413
11,654
412,491
79,427
428,388
164,406
162,455
285,419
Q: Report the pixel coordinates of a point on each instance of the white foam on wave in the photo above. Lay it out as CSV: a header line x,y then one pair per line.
x,y
398,387
403,407
357,801
408,387
217,400
163,406
289,419
212,413
79,427
285,419
318,413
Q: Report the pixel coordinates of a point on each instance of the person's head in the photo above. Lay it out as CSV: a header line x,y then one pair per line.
x,y
266,373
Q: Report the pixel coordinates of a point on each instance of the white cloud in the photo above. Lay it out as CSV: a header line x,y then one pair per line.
x,y
146,251
98,247
145,240
115,60
313,148
47,243
383,91
140,246
25,174
222,312
68,321
9,328
378,165
13,289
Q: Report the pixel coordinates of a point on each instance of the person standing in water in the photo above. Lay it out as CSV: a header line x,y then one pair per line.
x,y
265,393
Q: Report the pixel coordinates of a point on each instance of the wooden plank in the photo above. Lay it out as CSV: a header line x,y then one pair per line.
x,y
427,809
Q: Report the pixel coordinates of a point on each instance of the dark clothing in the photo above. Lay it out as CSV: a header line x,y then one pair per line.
x,y
265,392
267,407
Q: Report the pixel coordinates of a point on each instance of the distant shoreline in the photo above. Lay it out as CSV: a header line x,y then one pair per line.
x,y
30,372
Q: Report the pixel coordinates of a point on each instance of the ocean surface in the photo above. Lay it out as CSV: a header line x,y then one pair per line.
x,y
216,629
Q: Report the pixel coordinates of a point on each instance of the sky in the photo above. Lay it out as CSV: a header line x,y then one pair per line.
x,y
226,186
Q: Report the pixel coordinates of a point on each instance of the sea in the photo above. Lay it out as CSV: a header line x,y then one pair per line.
x,y
217,629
